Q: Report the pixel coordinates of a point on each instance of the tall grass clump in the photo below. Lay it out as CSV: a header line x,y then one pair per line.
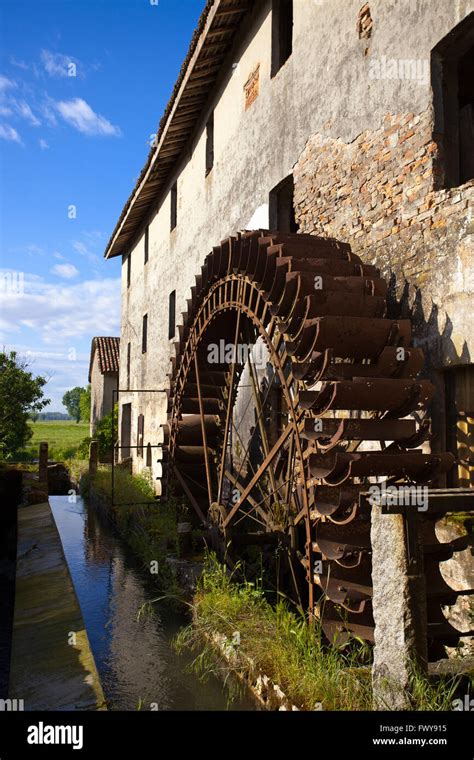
x,y
278,641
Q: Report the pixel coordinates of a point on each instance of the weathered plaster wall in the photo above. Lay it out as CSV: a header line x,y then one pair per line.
x,y
102,387
323,95
97,393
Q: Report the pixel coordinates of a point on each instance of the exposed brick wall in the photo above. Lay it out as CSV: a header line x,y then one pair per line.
x,y
377,193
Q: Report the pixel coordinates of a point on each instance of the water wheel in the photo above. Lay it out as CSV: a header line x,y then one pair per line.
x,y
291,391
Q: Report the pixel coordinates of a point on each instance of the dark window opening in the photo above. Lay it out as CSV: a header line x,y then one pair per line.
x,y
146,245
144,333
282,33
148,455
459,397
125,430
210,144
452,71
172,315
129,350
174,206
281,209
140,431
129,269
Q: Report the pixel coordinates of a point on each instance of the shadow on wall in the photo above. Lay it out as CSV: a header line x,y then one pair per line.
x,y
452,408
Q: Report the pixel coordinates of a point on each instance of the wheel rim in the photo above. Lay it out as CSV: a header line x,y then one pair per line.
x,y
335,356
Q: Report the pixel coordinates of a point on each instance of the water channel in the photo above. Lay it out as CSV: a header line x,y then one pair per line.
x,y
137,664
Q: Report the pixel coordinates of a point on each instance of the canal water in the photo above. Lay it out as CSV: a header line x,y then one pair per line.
x,y
137,664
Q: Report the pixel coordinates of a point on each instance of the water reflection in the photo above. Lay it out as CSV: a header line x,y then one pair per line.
x,y
136,662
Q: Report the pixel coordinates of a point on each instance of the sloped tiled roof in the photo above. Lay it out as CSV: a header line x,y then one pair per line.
x,y
108,350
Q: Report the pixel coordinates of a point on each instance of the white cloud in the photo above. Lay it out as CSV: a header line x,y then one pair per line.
x,y
5,83
58,64
24,110
43,144
9,133
34,250
58,255
19,64
59,312
85,251
47,111
81,116
68,271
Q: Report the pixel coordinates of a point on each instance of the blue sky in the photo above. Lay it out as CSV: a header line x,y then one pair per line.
x,y
83,84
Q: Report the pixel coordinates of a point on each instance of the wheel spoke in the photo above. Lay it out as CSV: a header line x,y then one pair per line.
x,y
271,455
228,413
203,428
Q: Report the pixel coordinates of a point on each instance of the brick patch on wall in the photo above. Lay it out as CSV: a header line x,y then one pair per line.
x,y
377,193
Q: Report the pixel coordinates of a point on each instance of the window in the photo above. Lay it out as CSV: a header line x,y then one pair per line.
x,y
452,72
174,206
125,430
172,315
129,349
281,208
140,429
282,33
148,455
129,269
210,144
146,246
144,333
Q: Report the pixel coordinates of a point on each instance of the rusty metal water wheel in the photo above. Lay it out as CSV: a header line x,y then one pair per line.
x,y
335,402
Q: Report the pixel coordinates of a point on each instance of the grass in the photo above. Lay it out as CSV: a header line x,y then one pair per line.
x,y
63,437
279,643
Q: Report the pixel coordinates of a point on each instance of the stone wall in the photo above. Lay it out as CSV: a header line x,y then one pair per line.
x,y
378,193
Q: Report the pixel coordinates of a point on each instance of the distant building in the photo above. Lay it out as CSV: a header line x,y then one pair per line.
x,y
103,377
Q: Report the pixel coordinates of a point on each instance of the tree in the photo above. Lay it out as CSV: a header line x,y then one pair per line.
x,y
72,402
85,404
20,394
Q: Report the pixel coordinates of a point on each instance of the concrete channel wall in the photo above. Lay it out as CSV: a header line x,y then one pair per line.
x,y
52,666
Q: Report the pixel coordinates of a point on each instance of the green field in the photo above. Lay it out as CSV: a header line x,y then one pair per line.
x,y
63,436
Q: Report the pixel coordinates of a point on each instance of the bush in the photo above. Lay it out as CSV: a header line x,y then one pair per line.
x,y
104,435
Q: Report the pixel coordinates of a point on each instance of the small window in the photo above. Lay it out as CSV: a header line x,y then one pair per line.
x,y
125,431
172,315
146,246
174,206
210,144
129,269
129,350
452,71
140,429
281,208
282,33
148,455
144,333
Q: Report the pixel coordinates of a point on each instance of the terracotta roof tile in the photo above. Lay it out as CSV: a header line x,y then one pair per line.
x,y
108,352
